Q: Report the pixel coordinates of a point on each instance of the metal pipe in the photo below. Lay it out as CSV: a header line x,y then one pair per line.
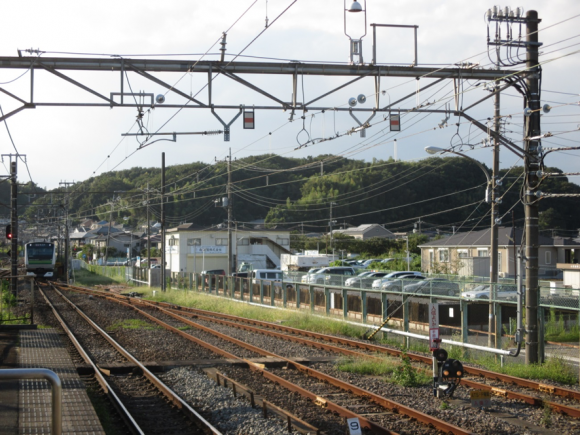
x,y
50,376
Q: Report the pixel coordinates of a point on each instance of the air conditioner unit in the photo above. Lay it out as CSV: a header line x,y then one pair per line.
x,y
502,274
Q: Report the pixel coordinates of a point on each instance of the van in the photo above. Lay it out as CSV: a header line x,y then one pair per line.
x,y
266,274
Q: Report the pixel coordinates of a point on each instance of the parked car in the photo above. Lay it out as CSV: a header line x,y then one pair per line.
x,y
240,274
330,275
435,286
503,291
377,284
397,284
274,275
364,280
305,278
367,263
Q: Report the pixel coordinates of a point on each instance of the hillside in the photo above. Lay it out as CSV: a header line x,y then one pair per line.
x,y
443,192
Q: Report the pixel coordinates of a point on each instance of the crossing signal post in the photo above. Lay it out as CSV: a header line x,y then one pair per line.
x,y
9,232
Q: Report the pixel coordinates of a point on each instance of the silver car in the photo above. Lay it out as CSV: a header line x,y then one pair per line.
x,y
378,284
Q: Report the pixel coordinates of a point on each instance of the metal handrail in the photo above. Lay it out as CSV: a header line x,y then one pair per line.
x,y
50,376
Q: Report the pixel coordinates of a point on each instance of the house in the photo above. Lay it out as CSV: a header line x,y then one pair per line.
x,y
366,231
190,248
468,253
121,241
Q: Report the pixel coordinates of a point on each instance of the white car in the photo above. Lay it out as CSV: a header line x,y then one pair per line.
x,y
305,278
506,292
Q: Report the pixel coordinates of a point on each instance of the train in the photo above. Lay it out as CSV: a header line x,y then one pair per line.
x,y
39,258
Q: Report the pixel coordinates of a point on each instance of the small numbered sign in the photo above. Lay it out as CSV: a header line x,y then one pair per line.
x,y
480,398
353,426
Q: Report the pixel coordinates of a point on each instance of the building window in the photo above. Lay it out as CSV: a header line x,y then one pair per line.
x,y
221,242
245,241
127,245
431,257
193,242
283,241
443,256
482,252
463,253
499,268
173,242
548,257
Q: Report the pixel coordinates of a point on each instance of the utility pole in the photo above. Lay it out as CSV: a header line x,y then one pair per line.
x,y
493,255
14,225
330,224
148,235
163,222
229,191
531,166
67,229
109,230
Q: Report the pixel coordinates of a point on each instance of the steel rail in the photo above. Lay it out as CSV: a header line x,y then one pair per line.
x,y
382,401
365,423
564,409
123,412
532,400
193,415
527,383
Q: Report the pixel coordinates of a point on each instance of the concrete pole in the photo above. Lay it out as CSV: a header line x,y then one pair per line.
x,y
531,166
229,188
493,255
14,226
162,221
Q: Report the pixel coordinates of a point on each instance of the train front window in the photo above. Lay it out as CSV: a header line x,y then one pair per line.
x,y
40,253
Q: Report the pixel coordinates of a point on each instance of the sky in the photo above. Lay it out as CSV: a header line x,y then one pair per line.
x,y
73,144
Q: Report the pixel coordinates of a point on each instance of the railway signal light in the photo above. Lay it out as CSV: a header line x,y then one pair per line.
x,y
9,231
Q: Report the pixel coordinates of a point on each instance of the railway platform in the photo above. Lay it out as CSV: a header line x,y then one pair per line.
x,y
25,405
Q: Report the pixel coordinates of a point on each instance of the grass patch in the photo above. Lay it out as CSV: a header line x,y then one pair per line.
x,y
444,406
86,278
131,324
554,369
407,376
368,367
184,328
546,419
294,319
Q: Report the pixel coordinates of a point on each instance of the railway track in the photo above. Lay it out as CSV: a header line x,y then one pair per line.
x,y
377,410
145,404
291,334
351,348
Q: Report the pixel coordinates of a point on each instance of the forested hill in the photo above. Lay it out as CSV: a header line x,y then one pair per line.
x,y
443,192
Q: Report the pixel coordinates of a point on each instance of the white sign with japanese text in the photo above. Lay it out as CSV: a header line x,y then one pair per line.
x,y
201,249
433,326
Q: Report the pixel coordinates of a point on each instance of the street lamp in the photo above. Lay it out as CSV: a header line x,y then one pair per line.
x,y
356,44
437,150
489,197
